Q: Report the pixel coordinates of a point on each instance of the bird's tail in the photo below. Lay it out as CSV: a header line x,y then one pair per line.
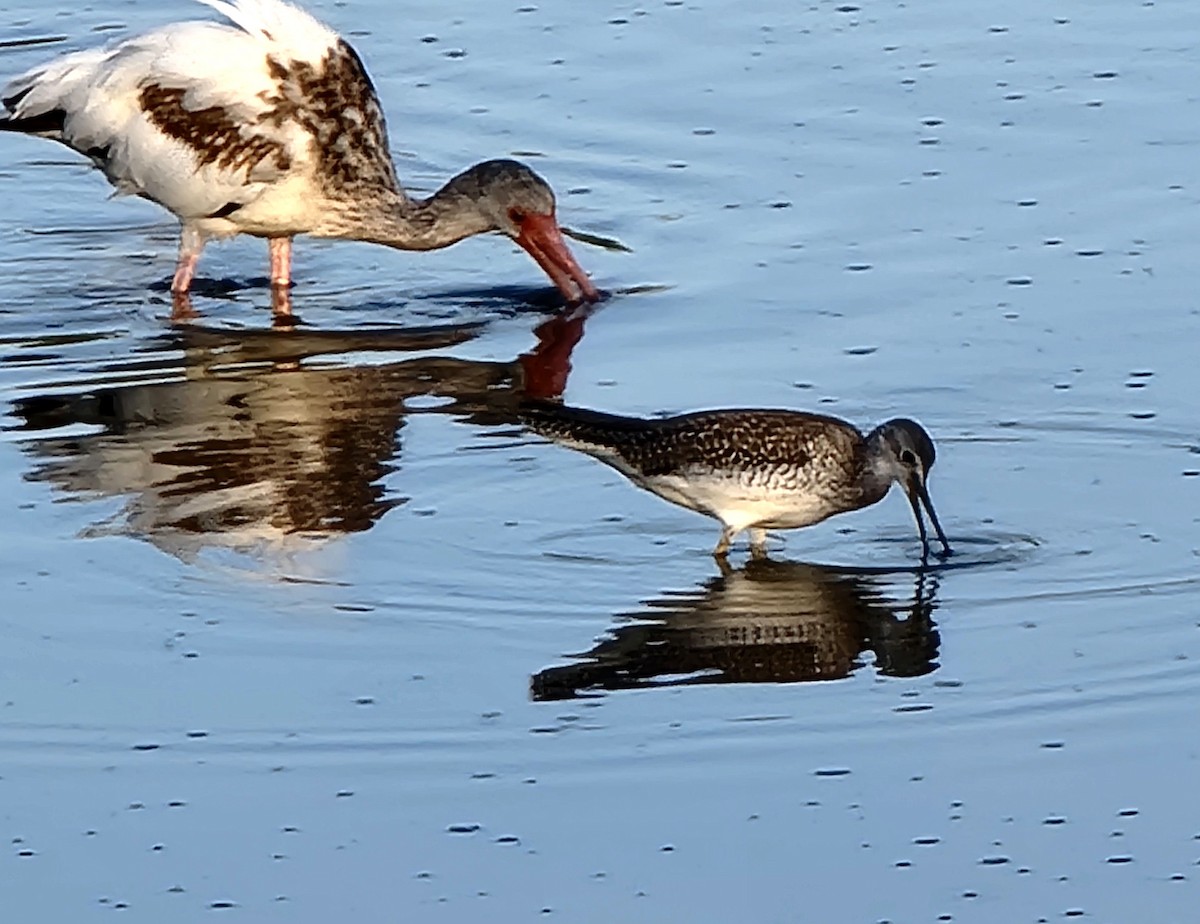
x,y
579,427
30,120
45,124
37,101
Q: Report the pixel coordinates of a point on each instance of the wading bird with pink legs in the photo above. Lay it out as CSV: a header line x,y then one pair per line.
x,y
269,126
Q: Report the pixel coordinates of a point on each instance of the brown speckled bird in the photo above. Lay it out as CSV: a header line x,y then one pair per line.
x,y
753,469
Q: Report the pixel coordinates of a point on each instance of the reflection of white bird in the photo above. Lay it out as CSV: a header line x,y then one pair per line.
x,y
253,450
269,127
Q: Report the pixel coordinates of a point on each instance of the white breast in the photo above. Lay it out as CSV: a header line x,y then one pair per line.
x,y
740,504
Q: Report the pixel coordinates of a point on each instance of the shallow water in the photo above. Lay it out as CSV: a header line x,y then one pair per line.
x,y
301,625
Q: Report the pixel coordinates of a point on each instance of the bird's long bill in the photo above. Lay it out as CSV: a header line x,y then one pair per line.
x,y
917,495
541,237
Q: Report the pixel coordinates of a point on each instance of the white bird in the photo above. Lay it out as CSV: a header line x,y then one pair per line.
x,y
269,127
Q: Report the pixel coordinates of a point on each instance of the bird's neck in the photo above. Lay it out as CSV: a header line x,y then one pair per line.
x,y
877,476
393,219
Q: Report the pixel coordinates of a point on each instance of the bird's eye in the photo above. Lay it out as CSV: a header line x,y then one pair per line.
x,y
908,457
516,216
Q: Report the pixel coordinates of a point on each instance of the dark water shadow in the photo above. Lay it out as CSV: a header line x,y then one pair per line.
x,y
769,621
537,298
261,435
215,286
507,299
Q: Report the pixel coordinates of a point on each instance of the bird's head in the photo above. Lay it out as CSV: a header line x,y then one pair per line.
x,y
906,453
518,202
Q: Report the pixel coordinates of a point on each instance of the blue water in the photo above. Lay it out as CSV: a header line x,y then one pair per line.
x,y
301,626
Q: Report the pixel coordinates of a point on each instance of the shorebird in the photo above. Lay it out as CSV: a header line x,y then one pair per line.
x,y
754,469
269,127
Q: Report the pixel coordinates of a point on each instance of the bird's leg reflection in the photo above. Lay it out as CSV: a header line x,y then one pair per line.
x,y
758,542
723,544
181,308
906,645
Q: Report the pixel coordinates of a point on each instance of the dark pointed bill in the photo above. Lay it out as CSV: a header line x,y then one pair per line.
x,y
918,495
541,237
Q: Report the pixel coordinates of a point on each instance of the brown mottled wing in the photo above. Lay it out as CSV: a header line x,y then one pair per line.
x,y
335,102
214,134
730,439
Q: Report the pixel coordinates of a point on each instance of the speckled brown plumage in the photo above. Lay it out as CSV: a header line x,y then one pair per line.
x,y
213,134
730,440
335,102
750,468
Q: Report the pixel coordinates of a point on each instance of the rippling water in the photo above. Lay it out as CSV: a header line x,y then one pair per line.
x,y
301,625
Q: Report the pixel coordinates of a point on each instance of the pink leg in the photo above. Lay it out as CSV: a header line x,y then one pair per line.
x,y
191,244
281,306
280,249
181,307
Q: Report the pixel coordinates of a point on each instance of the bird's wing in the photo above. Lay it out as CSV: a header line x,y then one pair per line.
x,y
199,115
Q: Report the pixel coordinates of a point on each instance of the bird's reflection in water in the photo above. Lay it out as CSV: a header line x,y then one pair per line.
x,y
768,622
254,444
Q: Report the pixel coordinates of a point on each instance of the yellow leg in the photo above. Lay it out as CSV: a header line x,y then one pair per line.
x,y
724,542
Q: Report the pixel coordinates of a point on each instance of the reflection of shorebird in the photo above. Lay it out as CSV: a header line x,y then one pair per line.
x,y
255,446
269,127
769,622
753,469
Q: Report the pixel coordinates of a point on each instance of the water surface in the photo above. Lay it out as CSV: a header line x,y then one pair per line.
x,y
299,624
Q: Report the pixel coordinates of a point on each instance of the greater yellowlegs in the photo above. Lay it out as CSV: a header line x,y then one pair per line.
x,y
754,469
